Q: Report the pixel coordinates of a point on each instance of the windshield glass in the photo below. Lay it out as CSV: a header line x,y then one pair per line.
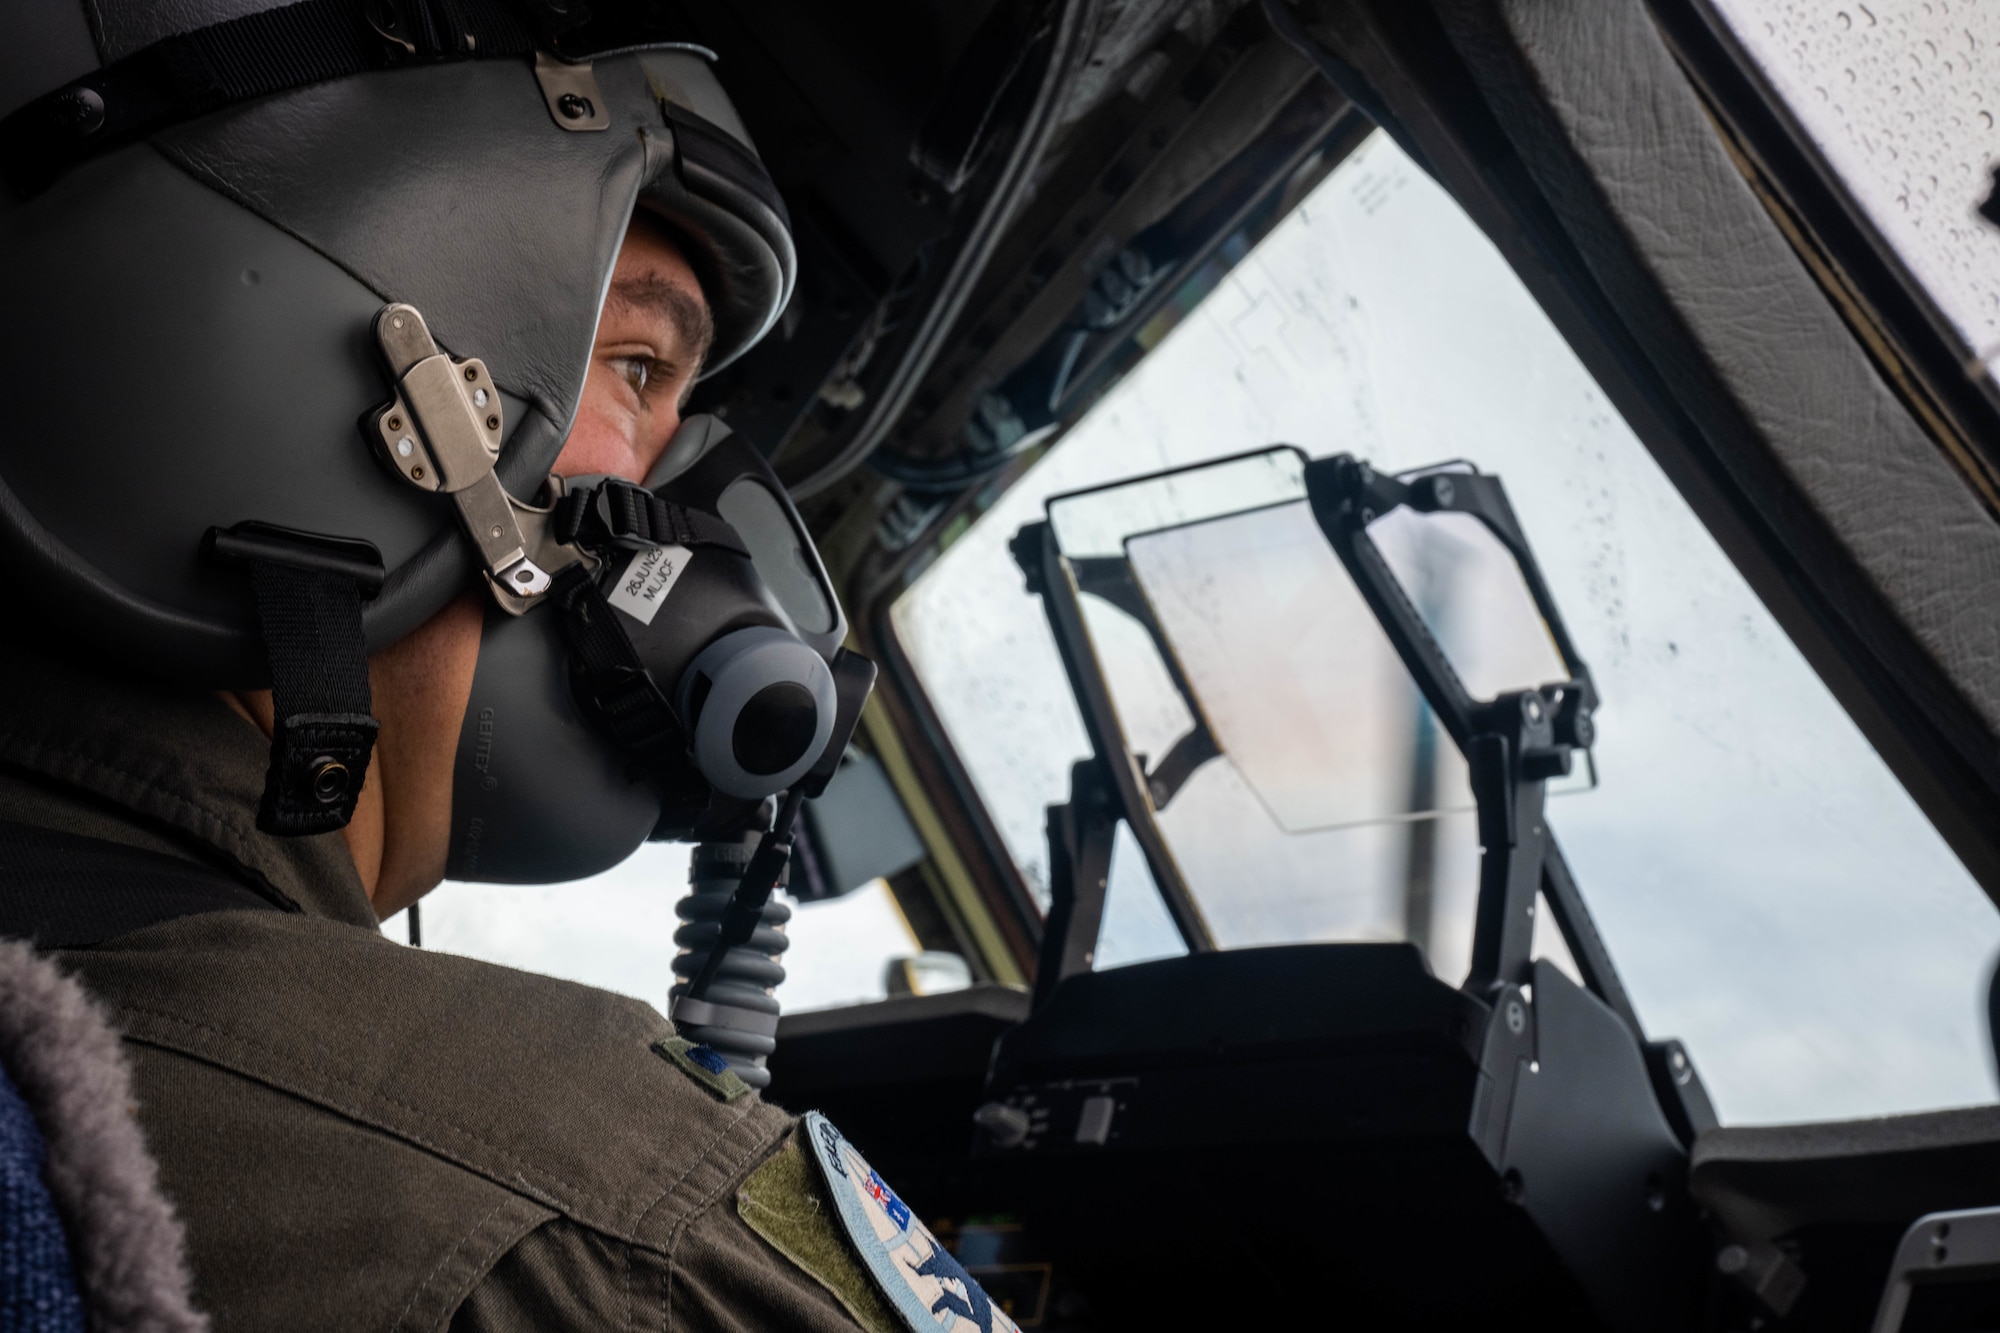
x,y
1770,893
1899,98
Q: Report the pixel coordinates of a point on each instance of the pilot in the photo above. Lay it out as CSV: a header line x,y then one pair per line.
x,y
257,699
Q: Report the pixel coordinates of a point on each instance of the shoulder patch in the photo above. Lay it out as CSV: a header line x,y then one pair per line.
x,y
784,1202
704,1065
921,1279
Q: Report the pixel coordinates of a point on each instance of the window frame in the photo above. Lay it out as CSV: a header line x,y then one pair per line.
x,y
1890,313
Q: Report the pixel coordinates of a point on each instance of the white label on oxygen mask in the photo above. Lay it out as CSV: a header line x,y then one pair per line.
x,y
642,589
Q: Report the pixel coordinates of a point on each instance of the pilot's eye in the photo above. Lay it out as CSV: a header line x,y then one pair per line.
x,y
636,370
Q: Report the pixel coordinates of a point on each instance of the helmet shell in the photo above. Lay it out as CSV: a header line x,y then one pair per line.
x,y
186,343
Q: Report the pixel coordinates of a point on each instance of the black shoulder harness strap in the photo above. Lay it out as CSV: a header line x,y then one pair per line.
x,y
612,516
61,891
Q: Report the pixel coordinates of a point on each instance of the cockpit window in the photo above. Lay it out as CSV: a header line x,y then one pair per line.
x,y
1899,99
1770,893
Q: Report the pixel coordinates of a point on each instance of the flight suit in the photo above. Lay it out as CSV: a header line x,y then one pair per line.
x,y
361,1135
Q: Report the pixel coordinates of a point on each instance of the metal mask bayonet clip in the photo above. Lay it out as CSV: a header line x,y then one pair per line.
x,y
441,432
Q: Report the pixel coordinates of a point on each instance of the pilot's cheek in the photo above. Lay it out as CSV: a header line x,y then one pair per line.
x,y
609,441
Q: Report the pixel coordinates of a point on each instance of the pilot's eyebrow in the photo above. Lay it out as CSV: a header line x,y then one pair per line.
x,y
686,312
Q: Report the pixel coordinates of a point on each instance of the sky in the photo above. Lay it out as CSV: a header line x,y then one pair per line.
x,y
616,930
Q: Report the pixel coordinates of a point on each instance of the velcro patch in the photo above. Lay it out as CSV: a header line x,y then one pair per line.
x,y
704,1065
922,1280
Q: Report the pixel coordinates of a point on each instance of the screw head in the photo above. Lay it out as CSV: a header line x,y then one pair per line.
x,y
77,112
395,423
417,472
575,107
493,423
471,374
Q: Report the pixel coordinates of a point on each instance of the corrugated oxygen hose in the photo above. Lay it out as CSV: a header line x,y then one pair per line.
x,y
738,1017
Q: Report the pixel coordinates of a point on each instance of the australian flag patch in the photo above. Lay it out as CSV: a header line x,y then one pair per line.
x,y
924,1283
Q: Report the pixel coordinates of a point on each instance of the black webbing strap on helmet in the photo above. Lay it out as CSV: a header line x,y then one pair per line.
x,y
628,701
294,46
633,710
617,514
308,590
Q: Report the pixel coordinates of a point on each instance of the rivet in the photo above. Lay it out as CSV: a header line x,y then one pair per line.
x,y
479,397
493,423
417,473
496,529
406,446
471,374
574,107
395,423
396,322
329,780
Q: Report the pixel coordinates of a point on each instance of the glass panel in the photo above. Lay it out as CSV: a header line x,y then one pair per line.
x,y
1299,686
1771,894
1469,590
1097,522
1322,735
1899,97
1136,927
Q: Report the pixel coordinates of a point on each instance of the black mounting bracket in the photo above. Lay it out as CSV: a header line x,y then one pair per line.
x,y
1514,743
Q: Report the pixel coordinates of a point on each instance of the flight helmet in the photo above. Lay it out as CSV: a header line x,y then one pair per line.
x,y
299,300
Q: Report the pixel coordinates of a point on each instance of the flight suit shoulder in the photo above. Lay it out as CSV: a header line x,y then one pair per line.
x,y
356,1132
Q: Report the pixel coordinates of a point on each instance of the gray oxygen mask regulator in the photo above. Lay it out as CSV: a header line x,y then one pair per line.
x,y
657,661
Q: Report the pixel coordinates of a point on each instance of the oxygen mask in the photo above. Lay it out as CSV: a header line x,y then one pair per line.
x,y
683,669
